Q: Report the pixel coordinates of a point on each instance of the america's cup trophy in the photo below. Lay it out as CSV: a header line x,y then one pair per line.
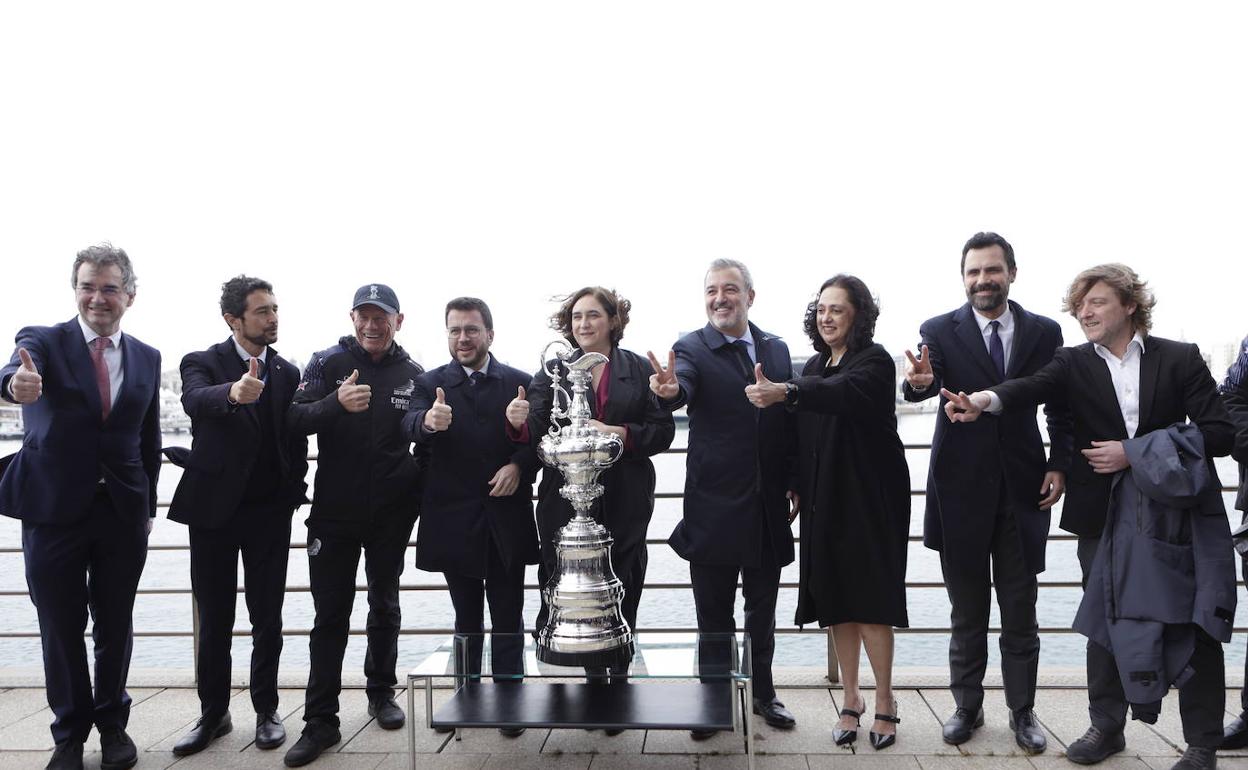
x,y
586,627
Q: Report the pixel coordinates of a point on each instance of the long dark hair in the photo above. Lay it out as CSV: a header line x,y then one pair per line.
x,y
866,311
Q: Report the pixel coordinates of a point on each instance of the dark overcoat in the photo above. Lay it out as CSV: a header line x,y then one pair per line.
x,y
457,512
742,460
227,437
855,493
971,460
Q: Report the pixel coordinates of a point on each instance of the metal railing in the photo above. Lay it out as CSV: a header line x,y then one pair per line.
x,y
832,673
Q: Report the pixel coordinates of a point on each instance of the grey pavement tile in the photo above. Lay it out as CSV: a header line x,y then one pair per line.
x,y
864,762
168,713
679,742
643,762
244,718
594,742
428,741
773,762
356,725
32,733
488,741
974,763
928,714
17,704
435,762
1051,761
1064,713
91,761
815,712
23,760
536,762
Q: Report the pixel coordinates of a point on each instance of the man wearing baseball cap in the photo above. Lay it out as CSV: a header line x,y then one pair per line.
x,y
353,396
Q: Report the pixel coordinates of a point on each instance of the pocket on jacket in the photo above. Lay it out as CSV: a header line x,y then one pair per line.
x,y
1159,585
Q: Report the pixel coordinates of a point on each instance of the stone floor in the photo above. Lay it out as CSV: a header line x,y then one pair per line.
x,y
161,715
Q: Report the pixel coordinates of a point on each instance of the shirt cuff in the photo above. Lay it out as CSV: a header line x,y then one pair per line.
x,y
994,403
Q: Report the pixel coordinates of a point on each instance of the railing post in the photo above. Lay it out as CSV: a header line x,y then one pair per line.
x,y
194,638
834,668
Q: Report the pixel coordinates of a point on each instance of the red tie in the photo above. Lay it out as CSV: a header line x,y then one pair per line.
x,y
98,345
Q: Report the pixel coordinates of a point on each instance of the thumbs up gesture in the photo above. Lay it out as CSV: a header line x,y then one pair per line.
x,y
764,392
354,397
663,382
518,409
247,389
438,416
26,384
919,370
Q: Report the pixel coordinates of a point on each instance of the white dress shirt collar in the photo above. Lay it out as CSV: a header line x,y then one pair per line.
x,y
243,354
485,368
90,335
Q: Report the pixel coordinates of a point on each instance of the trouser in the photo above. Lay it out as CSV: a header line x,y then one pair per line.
x,y
969,583
503,587
1243,693
333,557
92,564
714,598
1202,699
261,534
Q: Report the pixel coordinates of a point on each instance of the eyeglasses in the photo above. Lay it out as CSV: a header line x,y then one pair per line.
x,y
86,290
471,332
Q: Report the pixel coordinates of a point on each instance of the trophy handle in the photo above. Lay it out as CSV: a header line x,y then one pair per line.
x,y
550,365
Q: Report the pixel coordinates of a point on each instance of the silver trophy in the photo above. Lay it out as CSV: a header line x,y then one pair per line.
x,y
585,626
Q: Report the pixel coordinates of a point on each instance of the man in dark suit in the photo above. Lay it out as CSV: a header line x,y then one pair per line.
x,y
1234,390
1122,384
476,524
989,488
741,467
84,486
241,482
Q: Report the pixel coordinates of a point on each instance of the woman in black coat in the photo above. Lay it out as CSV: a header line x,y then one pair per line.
x,y
855,495
593,319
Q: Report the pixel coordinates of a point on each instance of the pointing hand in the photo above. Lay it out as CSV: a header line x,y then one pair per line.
x,y
963,408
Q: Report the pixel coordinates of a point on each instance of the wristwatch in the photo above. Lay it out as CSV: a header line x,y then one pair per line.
x,y
790,394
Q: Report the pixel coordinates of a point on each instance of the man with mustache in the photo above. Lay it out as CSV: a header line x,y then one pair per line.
x,y
241,482
989,489
1121,385
366,498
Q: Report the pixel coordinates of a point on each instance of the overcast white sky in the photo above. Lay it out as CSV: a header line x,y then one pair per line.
x,y
519,150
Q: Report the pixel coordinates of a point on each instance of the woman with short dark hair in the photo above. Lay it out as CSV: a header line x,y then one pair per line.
x,y
855,495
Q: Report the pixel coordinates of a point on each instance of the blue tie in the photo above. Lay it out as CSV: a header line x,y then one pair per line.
x,y
995,349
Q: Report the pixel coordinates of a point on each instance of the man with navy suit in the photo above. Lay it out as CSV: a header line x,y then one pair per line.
x,y
476,522
84,486
989,487
241,482
1122,384
740,472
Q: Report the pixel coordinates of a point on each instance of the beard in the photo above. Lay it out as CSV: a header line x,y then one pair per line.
x,y
990,301
263,339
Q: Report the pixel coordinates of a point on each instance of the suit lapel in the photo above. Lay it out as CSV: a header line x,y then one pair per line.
x,y
231,368
1103,387
80,364
972,339
1150,365
1026,335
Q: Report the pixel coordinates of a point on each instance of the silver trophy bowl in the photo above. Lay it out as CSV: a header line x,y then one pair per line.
x,y
585,625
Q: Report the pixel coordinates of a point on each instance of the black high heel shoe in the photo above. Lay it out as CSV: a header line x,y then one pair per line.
x,y
882,740
846,737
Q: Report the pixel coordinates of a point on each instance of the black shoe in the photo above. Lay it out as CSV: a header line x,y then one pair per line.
x,y
117,751
884,740
613,730
1027,733
1197,758
202,734
1235,736
443,730
845,737
270,733
315,739
961,726
774,713
389,715
1095,746
511,732
703,735
68,756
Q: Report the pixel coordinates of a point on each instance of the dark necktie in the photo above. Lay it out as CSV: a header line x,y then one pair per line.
x,y
475,378
742,349
98,346
996,350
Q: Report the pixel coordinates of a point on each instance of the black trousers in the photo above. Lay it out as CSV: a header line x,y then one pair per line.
x,y
333,557
93,564
969,585
714,598
504,589
262,536
1243,693
1201,701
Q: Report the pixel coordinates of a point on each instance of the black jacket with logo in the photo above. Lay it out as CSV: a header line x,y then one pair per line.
x,y
365,464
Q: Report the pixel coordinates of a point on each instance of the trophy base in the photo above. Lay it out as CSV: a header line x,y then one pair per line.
x,y
615,658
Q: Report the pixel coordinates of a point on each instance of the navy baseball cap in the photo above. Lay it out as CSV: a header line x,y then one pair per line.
x,y
377,294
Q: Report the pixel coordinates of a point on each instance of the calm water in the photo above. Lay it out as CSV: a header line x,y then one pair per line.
x,y
431,609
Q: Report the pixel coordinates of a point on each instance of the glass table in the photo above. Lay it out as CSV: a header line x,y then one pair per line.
x,y
675,681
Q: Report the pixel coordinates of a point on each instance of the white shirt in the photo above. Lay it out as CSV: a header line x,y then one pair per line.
x,y
485,369
112,359
243,354
1125,373
1005,332
749,343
